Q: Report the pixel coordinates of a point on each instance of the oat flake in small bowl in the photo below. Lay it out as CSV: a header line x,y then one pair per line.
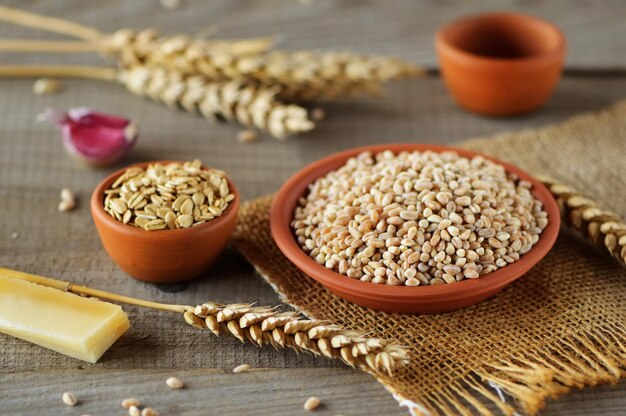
x,y
168,196
418,218
165,221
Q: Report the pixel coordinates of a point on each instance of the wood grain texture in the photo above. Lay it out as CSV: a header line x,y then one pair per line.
x,y
594,28
34,167
262,391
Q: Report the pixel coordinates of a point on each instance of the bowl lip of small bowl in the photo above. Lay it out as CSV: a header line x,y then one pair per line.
x,y
98,212
286,199
443,45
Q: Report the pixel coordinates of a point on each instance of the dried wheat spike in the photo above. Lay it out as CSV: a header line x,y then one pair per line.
x,y
300,75
602,227
249,105
262,325
134,46
303,75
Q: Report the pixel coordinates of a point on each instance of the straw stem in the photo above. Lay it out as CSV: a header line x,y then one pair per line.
x,y
87,291
51,24
58,71
54,46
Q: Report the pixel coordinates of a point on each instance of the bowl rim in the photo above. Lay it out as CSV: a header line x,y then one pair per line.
x,y
443,44
284,202
98,212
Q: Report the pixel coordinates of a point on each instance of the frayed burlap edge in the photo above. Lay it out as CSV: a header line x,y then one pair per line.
x,y
586,357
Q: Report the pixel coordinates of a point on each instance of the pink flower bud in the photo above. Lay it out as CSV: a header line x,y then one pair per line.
x,y
95,138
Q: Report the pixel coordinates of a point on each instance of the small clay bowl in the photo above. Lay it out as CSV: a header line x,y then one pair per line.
x,y
500,64
402,299
164,256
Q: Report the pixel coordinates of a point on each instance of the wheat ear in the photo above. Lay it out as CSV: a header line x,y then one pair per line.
x,y
94,39
602,227
247,104
261,325
299,75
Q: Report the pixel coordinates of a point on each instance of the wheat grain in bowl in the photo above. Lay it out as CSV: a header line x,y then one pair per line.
x,y
418,218
168,196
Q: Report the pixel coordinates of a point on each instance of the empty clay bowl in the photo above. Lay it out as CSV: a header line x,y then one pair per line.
x,y
164,256
500,64
402,299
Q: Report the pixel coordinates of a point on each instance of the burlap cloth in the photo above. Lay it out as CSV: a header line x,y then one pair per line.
x,y
562,325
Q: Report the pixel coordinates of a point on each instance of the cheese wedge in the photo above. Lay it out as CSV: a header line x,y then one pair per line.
x,y
80,327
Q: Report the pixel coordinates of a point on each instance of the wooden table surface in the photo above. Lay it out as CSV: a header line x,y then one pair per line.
x,y
34,167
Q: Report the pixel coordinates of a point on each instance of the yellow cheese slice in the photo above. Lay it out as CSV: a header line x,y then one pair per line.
x,y
82,328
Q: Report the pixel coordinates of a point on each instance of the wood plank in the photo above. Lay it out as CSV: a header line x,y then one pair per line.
x,y
594,28
261,391
33,168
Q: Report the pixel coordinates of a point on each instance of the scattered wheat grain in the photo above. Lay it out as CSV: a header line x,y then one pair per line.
x,y
44,86
241,368
148,411
131,401
174,383
312,403
69,398
247,136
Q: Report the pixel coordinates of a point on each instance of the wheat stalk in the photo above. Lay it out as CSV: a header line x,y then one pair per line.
x,y
261,325
602,227
136,45
247,104
302,75
93,38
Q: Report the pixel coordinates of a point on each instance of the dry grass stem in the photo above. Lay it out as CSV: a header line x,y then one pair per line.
x,y
602,227
261,325
246,104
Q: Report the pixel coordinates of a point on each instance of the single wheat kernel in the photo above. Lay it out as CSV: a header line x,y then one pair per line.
x,y
68,201
312,403
170,4
69,398
131,401
134,411
247,136
148,411
318,114
44,86
174,383
241,368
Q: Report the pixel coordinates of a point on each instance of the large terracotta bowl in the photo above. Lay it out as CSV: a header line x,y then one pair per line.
x,y
500,64
164,256
402,299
